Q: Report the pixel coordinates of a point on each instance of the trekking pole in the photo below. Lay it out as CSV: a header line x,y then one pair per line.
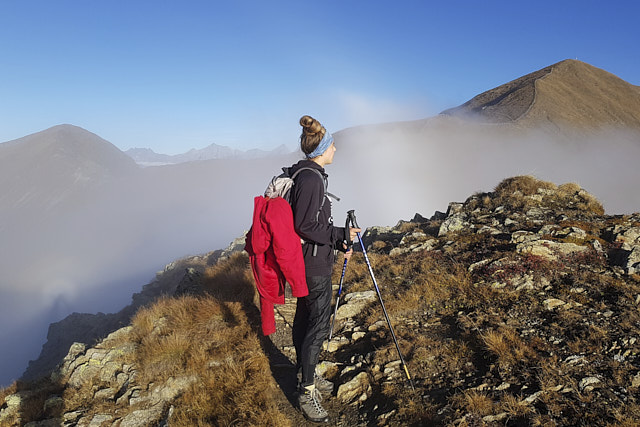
x,y
335,312
349,243
352,218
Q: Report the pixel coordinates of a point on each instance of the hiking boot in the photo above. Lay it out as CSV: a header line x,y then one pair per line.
x,y
309,401
322,384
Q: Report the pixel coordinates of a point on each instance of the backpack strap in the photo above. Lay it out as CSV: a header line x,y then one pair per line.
x,y
326,193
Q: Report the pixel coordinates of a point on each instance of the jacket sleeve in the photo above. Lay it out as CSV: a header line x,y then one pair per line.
x,y
286,246
306,202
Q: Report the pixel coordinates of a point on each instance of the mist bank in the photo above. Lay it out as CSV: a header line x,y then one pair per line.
x,y
390,172
101,245
93,251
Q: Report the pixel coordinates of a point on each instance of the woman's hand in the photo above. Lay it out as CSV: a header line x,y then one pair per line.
x,y
353,232
347,255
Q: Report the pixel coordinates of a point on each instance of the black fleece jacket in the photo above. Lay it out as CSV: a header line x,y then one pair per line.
x,y
306,199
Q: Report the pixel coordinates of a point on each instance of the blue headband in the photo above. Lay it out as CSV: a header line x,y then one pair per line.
x,y
325,142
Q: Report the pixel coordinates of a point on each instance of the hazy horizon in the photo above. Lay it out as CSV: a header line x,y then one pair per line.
x,y
172,76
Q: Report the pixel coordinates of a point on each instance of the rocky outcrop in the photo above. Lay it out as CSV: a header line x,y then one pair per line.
x,y
541,239
104,375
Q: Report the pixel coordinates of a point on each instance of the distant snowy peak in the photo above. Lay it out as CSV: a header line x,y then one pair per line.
x,y
148,157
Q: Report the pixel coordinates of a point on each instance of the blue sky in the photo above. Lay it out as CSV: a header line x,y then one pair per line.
x,y
175,75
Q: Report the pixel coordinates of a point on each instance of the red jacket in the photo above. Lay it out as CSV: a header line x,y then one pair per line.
x,y
275,252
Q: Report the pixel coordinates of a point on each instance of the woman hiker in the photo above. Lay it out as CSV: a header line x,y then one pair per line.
x,y
314,224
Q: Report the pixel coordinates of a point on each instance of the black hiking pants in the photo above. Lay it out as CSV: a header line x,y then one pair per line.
x,y
311,325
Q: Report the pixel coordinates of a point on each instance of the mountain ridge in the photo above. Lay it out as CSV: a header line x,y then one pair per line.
x,y
569,92
148,157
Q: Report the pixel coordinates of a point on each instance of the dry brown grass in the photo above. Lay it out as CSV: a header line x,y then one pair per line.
x,y
206,338
4,392
507,346
211,337
422,282
526,191
33,397
515,406
474,402
231,280
524,185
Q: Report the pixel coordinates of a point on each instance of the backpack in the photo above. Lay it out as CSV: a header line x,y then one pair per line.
x,y
281,185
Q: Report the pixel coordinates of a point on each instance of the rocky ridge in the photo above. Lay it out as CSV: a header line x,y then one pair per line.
x,y
527,312
176,278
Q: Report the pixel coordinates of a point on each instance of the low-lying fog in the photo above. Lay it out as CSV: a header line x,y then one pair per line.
x,y
94,257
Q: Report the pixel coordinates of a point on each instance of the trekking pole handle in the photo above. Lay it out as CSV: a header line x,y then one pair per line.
x,y
347,240
351,218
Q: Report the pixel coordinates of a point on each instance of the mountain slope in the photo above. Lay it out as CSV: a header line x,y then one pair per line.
x,y
45,168
517,307
569,93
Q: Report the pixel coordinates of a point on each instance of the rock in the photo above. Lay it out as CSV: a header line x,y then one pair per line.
x,y
629,238
71,417
509,222
416,235
415,247
452,224
53,405
236,246
12,405
105,394
633,260
522,236
587,383
549,249
635,381
325,366
358,387
531,399
354,303
99,419
336,344
172,388
357,335
576,359
525,282
454,208
190,283
552,303
144,417
495,418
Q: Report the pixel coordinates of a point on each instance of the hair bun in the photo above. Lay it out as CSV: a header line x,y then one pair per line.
x,y
310,126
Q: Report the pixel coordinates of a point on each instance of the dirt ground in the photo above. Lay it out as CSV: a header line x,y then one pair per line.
x,y
282,361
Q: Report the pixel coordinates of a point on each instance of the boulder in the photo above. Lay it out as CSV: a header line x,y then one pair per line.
x,y
357,388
